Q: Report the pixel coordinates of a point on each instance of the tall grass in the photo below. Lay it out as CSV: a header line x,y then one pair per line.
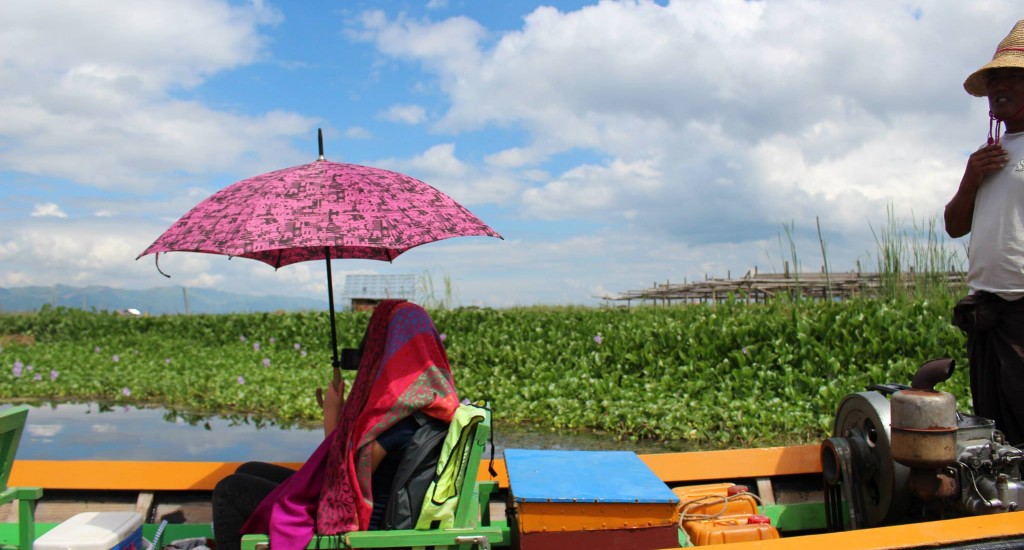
x,y
912,260
916,261
427,295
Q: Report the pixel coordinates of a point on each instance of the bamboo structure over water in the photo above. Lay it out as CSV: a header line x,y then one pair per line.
x,y
759,287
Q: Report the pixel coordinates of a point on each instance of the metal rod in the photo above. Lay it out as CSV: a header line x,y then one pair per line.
x,y
335,362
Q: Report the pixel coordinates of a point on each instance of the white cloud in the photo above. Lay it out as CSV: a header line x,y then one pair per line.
x,y
90,98
750,114
406,114
593,188
48,209
357,132
613,143
441,168
204,280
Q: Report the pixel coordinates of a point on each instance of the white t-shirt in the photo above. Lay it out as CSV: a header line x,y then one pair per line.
x,y
996,252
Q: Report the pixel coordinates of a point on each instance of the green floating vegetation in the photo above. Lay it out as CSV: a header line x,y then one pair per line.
x,y
708,376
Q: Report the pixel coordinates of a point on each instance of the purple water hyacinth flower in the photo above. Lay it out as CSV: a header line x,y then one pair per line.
x,y
598,339
28,368
241,338
241,380
116,358
443,336
37,377
303,353
266,361
256,346
273,340
53,375
126,392
297,346
97,349
16,371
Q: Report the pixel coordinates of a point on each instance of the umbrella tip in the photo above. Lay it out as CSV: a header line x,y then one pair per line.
x,y
320,140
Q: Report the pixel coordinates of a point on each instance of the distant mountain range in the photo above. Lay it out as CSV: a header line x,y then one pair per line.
x,y
154,301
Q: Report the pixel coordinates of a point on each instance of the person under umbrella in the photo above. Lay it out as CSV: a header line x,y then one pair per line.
x,y
323,210
344,485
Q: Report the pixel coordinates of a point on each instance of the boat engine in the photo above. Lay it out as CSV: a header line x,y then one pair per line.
x,y
914,456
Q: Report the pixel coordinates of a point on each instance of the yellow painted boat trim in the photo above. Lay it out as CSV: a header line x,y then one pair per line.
x,y
932,533
121,475
751,463
202,476
688,467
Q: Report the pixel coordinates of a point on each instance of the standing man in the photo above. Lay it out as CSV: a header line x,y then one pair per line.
x,y
989,204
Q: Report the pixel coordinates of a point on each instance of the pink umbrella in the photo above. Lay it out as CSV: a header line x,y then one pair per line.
x,y
322,210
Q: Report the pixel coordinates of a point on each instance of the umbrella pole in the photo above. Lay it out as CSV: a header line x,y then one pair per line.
x,y
335,362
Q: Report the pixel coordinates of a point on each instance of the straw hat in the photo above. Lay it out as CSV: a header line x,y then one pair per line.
x,y
1010,53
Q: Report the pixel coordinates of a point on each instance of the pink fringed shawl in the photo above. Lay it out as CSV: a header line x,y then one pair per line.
x,y
404,369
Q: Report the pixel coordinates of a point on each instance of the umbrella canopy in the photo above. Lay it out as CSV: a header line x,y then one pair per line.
x,y
322,210
318,211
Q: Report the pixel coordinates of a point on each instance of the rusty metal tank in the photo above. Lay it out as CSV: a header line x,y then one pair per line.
x,y
924,420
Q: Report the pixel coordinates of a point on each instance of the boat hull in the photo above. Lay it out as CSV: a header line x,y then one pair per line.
x,y
787,479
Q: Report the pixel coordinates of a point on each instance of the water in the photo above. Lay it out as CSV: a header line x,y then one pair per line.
x,y
91,431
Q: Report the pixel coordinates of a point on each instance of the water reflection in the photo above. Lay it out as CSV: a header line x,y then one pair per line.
x,y
95,431
91,431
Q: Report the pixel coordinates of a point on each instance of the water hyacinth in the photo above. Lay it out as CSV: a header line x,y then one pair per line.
x,y
443,336
266,361
167,361
598,339
54,374
241,380
37,377
126,392
297,346
97,349
241,338
272,340
785,358
256,346
16,371
116,358
303,353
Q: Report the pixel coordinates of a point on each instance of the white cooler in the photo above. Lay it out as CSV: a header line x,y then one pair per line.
x,y
95,531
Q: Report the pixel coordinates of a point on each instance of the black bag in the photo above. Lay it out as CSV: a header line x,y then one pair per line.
x,y
977,312
415,473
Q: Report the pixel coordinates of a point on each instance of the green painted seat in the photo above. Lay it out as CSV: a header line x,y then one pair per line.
x,y
12,423
472,526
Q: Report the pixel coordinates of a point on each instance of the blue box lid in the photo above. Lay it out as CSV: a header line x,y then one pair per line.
x,y
583,476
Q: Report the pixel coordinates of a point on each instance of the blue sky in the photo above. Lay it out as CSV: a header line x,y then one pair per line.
x,y
612,144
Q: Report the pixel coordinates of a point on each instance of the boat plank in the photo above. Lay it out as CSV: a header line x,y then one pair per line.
x,y
122,475
913,535
754,463
203,476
